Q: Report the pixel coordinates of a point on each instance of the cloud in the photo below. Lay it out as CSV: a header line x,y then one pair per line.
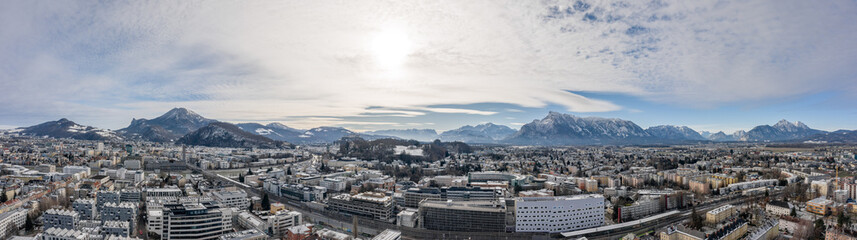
x,y
291,60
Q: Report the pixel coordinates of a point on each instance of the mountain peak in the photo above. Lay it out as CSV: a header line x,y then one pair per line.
x,y
785,124
179,113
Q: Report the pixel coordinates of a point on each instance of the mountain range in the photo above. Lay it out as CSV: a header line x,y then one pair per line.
x,y
183,126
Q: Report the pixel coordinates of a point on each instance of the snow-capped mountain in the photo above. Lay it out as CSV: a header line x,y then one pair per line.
x,y
65,128
782,131
221,134
276,131
705,134
670,132
565,129
482,133
425,135
721,137
168,127
838,136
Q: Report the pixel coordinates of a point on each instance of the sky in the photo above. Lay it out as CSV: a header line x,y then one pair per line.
x,y
368,65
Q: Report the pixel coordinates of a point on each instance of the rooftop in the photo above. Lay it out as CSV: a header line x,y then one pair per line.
x,y
559,198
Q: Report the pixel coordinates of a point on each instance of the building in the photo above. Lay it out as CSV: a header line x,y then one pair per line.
x,y
719,214
407,218
368,204
820,206
12,219
281,221
46,168
172,192
731,231
63,234
467,216
699,187
130,195
116,228
333,184
779,208
103,197
250,234
680,232
767,231
591,185
641,208
388,234
413,196
837,234
124,212
249,221
201,219
60,218
558,214
236,199
85,208
302,193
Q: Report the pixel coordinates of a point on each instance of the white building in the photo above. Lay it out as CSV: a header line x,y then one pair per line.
x,y
200,219
334,184
249,221
558,214
283,220
237,199
11,218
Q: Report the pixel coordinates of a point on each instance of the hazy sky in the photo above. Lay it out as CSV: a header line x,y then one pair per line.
x,y
711,65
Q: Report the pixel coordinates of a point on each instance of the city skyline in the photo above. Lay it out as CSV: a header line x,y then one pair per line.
x,y
372,65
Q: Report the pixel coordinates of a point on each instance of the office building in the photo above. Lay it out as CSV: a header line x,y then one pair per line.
x,y
236,199
282,220
368,204
558,214
201,219
468,216
250,234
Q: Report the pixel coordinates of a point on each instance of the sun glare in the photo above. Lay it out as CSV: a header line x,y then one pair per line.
x,y
391,47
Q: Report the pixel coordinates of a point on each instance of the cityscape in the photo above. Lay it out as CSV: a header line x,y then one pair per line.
x,y
381,120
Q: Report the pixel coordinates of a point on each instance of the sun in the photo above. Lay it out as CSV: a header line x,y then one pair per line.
x,y
391,47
